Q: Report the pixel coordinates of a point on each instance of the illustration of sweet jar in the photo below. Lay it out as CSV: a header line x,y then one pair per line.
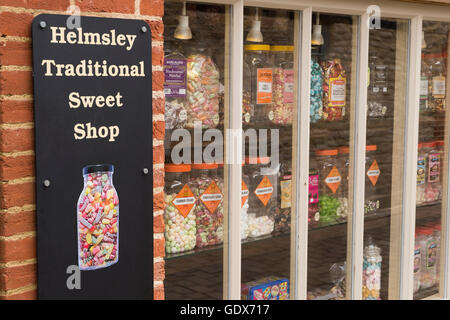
x,y
98,219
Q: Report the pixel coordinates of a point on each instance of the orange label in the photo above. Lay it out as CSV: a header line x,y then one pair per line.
x,y
337,92
212,197
333,180
264,86
244,193
184,201
374,172
264,190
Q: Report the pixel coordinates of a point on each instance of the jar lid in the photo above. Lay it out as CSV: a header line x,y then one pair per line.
x,y
439,142
204,166
326,152
257,47
98,168
371,147
257,160
171,167
344,149
427,231
429,144
282,48
419,145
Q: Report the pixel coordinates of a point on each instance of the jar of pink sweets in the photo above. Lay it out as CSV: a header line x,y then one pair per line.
x,y
98,219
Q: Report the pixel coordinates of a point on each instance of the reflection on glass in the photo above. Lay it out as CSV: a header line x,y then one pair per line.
x,y
333,68
433,93
268,114
386,89
194,87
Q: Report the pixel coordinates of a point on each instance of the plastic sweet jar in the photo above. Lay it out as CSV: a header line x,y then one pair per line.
x,y
281,111
372,197
432,187
175,114
334,90
203,89
330,180
179,217
439,144
343,166
417,259
429,247
261,80
282,213
438,82
98,219
316,92
421,175
371,272
209,197
263,182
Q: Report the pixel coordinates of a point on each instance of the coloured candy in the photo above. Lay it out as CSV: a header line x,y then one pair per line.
x,y
281,109
179,231
316,92
95,214
208,209
371,272
334,90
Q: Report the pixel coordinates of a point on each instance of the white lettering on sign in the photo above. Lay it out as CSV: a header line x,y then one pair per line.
x,y
59,35
75,100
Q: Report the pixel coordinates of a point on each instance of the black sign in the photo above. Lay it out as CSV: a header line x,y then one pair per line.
x,y
93,118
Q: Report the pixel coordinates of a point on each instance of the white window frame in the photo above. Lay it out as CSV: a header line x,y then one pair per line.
x,y
415,13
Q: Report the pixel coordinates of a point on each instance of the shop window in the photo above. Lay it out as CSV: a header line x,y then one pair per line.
x,y
432,154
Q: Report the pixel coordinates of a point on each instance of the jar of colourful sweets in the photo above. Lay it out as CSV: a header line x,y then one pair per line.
x,y
372,197
179,216
334,90
330,180
263,183
261,80
343,165
432,188
421,175
281,110
98,219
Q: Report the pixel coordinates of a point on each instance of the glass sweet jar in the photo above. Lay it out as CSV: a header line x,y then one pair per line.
x,y
98,219
263,195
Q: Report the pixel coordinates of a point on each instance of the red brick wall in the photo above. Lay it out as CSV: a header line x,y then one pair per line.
x,y
17,175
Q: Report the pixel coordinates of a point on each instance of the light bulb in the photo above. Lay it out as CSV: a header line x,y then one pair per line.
x,y
317,38
183,32
424,44
255,34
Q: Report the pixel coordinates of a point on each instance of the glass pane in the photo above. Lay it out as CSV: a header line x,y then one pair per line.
x,y
432,129
268,115
386,100
333,80
195,87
